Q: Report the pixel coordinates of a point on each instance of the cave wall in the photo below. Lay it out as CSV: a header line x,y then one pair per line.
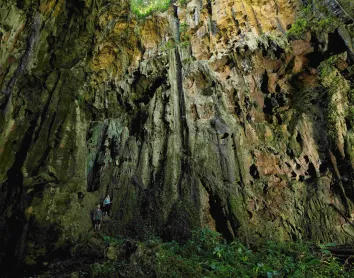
x,y
204,115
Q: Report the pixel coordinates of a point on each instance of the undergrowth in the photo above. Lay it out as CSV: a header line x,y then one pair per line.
x,y
206,254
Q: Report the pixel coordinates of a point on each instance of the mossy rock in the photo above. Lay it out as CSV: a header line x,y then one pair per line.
x,y
182,219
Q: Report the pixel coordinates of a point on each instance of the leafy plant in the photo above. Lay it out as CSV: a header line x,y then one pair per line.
x,y
184,44
183,27
143,8
314,17
169,45
206,254
112,240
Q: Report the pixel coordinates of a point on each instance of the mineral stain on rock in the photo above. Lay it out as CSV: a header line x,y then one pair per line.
x,y
206,114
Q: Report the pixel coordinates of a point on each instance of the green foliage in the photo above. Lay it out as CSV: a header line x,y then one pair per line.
x,y
143,8
207,255
183,27
184,36
169,45
300,27
315,17
183,2
103,270
112,241
183,40
184,44
326,68
187,60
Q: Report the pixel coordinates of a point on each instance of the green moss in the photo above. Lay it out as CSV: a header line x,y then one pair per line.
x,y
182,220
338,90
238,213
30,261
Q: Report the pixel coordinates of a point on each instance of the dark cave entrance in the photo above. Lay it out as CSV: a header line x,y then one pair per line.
x,y
218,213
336,45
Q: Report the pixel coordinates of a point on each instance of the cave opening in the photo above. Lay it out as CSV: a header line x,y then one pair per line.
x,y
311,170
264,83
137,122
268,106
217,211
336,44
323,167
12,228
254,171
299,140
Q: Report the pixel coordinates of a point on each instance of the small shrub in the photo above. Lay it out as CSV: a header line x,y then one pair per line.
x,y
112,241
316,18
300,27
169,45
143,8
206,254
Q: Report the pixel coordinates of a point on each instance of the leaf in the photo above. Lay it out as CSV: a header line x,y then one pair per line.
x,y
312,261
331,244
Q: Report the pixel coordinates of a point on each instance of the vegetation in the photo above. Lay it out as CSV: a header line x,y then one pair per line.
x,y
183,38
313,17
338,91
206,254
143,8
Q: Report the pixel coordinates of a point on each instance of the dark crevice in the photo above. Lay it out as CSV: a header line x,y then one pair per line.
x,y
254,171
311,170
264,83
290,153
219,212
184,130
323,167
136,124
41,161
51,125
221,220
336,44
12,229
307,160
93,177
209,8
299,138
44,115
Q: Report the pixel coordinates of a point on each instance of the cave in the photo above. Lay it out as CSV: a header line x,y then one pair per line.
x,y
181,112
218,212
336,44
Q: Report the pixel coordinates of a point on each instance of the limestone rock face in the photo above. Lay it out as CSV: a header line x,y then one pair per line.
x,y
204,115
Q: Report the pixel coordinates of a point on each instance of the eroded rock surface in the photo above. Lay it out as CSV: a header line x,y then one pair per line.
x,y
204,115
